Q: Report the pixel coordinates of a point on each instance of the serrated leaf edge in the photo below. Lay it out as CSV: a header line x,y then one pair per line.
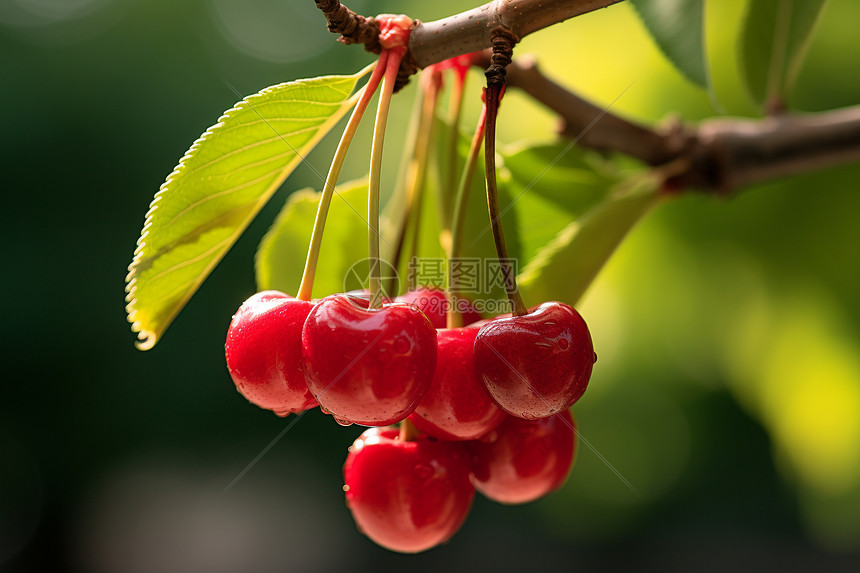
x,y
148,337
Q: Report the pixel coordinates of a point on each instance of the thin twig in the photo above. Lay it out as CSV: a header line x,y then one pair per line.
x,y
471,31
722,155
353,28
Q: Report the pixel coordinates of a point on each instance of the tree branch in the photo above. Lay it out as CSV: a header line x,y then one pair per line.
x,y
471,31
353,28
718,155
463,33
715,155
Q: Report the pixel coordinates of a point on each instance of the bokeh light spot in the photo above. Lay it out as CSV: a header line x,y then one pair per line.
x,y
272,30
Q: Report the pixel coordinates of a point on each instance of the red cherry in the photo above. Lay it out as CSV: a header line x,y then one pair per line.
x,y
537,364
434,303
483,321
364,294
264,352
523,460
407,496
457,406
368,366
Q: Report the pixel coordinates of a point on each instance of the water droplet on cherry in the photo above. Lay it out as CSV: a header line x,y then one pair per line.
x,y
343,423
424,471
402,345
563,343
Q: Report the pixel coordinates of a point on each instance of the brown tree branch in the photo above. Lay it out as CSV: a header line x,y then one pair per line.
x,y
353,28
463,33
716,155
471,31
720,155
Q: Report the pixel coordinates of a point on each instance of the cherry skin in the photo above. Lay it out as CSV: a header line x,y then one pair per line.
x,y
363,293
483,321
367,366
434,303
537,364
407,496
457,406
264,352
523,460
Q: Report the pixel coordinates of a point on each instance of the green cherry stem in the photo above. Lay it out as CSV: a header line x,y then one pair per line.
x,y
494,95
423,153
307,284
455,107
392,65
455,318
405,177
415,180
408,431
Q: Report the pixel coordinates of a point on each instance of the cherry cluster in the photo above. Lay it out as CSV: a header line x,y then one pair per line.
x,y
482,407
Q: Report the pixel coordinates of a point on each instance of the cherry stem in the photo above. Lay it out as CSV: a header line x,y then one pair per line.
x,y
307,284
404,188
415,177
423,152
455,318
408,431
455,106
392,65
494,94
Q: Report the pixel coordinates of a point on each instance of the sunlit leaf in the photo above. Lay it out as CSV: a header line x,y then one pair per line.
x,y
220,184
281,255
550,185
565,267
774,39
677,28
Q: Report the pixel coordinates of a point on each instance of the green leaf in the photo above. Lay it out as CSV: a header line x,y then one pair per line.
x,y
281,255
774,39
550,185
220,184
677,27
565,267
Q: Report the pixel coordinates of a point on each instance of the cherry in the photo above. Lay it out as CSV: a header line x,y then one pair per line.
x,y
457,406
483,321
363,293
536,364
434,303
365,365
407,496
264,352
523,460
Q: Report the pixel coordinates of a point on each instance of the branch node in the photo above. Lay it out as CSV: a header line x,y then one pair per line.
x,y
357,29
503,42
353,28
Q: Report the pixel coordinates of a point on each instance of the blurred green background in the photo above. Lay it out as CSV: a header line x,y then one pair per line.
x,y
728,387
